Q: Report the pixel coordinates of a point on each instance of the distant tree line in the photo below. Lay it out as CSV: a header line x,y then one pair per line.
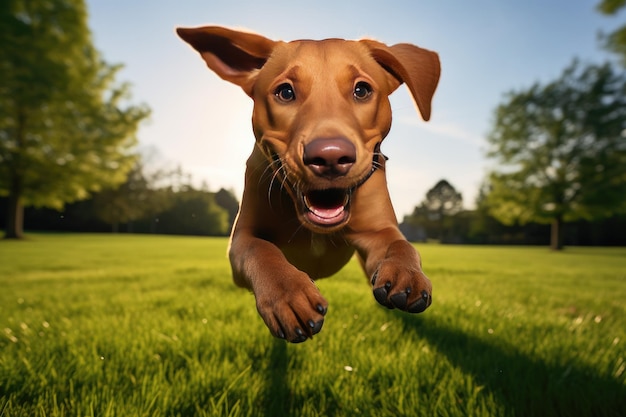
x,y
440,217
164,202
167,203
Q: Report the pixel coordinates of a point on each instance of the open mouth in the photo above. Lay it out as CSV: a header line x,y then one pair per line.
x,y
327,208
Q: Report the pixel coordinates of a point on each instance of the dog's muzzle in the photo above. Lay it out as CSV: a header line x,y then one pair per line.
x,y
327,208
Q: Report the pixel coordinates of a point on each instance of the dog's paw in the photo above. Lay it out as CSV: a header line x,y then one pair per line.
x,y
397,284
295,312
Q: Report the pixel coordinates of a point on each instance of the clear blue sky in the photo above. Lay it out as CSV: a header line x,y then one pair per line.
x,y
487,47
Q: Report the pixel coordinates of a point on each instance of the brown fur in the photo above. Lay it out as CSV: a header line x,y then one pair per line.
x,y
290,229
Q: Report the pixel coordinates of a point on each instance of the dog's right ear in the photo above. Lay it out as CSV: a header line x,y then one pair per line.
x,y
418,68
234,55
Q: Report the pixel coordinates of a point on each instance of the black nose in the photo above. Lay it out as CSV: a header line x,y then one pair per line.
x,y
329,158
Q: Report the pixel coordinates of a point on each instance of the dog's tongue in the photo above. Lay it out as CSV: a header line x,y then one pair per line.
x,y
327,213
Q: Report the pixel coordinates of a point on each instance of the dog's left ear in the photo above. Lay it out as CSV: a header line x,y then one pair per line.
x,y
234,55
417,67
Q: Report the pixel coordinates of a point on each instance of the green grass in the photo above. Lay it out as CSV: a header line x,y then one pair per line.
x,y
96,325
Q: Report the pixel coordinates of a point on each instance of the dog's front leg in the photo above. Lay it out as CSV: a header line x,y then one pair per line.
x,y
286,298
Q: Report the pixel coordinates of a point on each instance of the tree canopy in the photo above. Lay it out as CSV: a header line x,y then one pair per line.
x,y
66,129
443,200
561,150
431,218
616,40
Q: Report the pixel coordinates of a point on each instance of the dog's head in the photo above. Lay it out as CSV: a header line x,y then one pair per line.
x,y
321,108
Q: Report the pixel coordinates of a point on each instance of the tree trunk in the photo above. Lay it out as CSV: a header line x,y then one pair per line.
x,y
15,218
15,208
556,234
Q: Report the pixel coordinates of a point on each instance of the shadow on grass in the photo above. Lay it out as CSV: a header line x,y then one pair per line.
x,y
525,386
276,394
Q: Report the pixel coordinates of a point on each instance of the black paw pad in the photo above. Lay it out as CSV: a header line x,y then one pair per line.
x,y
399,300
381,293
421,304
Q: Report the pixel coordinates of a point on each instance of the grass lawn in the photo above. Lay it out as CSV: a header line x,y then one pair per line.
x,y
123,325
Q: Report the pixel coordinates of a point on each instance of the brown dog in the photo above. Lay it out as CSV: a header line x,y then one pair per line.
x,y
315,186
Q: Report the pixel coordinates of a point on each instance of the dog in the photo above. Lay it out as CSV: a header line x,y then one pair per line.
x,y
315,186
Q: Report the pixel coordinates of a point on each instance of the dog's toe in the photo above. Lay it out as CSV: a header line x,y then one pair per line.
x,y
295,316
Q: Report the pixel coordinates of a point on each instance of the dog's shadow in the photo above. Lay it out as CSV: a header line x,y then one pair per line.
x,y
523,385
275,398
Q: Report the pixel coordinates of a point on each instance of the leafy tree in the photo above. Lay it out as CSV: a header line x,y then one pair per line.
x,y
615,41
227,200
64,129
126,203
441,202
561,149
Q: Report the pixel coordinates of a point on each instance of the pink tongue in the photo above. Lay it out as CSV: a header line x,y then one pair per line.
x,y
327,213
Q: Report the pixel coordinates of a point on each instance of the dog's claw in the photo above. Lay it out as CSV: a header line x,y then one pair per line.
x,y
321,309
280,334
301,337
315,327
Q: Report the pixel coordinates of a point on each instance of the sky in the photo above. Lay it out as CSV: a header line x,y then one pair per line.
x,y
487,48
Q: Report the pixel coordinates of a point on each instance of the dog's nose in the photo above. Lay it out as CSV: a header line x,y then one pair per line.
x,y
330,158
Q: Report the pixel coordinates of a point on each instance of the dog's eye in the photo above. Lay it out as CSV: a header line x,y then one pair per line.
x,y
285,93
362,91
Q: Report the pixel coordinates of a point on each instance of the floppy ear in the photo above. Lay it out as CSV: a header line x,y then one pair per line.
x,y
417,67
235,56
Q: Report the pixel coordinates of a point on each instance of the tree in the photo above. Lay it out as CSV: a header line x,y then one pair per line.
x,y
441,202
562,150
227,200
64,129
128,202
616,40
